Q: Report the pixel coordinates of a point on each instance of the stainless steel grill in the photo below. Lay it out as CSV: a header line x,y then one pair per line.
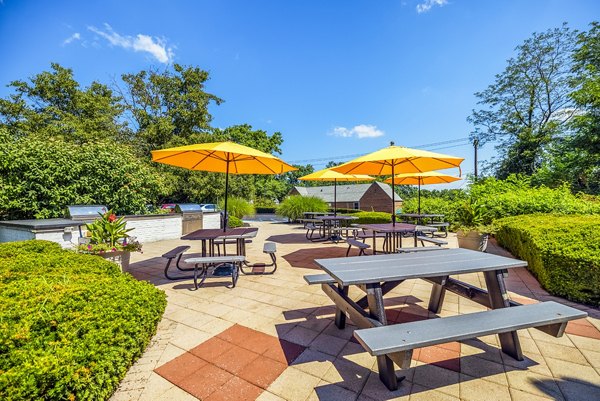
x,y
84,212
187,207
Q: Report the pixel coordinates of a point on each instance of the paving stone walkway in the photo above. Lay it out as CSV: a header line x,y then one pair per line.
x,y
273,338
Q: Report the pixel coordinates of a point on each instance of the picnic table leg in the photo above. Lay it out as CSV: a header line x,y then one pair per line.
x,y
494,282
385,365
438,292
340,316
374,243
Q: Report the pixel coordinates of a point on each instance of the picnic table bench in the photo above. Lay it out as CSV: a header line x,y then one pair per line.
x,y
378,275
207,264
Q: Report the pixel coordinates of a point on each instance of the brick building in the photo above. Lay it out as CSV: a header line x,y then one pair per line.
x,y
375,196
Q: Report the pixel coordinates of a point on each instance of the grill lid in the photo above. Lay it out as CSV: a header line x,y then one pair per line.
x,y
84,212
188,207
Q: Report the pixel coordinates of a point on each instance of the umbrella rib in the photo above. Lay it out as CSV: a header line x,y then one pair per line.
x,y
172,155
206,156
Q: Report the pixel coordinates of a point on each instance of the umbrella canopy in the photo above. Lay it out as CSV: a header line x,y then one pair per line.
x,y
429,177
222,157
330,175
398,159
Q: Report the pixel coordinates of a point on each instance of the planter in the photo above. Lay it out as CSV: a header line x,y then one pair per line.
x,y
121,258
470,239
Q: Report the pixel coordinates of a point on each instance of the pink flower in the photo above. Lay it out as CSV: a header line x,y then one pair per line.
x,y
112,217
114,249
89,247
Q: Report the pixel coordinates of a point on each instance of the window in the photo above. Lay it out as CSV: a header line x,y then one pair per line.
x,y
356,205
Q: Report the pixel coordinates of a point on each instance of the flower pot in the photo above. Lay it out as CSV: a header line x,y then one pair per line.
x,y
121,258
469,239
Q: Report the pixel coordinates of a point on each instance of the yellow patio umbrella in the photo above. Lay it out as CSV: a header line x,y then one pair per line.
x,y
426,178
222,157
398,159
330,175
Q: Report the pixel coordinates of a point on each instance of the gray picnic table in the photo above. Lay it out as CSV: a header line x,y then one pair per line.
x,y
378,275
393,234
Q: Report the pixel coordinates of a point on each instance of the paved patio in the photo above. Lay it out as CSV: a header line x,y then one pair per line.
x,y
273,338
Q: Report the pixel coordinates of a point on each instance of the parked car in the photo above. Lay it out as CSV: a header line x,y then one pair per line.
x,y
209,207
168,206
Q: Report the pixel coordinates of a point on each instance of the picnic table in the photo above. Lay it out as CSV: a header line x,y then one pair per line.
x,y
378,275
394,233
210,237
330,223
312,215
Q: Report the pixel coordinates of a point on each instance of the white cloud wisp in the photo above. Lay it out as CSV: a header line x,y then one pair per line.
x,y
75,36
360,131
429,4
156,47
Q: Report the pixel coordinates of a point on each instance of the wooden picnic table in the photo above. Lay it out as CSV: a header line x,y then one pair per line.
x,y
393,234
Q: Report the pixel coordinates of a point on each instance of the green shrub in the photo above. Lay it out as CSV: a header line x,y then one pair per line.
x,y
266,210
343,210
562,251
40,177
372,217
238,207
235,222
294,206
70,324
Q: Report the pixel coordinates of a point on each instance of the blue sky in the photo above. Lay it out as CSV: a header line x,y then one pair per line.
x,y
336,78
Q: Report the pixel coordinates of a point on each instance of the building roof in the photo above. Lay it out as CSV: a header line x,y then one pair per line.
x,y
345,193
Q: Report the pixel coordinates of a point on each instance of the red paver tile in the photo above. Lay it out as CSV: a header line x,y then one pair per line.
x,y
440,357
205,381
405,317
453,346
235,359
236,334
177,369
583,328
392,315
235,389
211,349
262,371
285,353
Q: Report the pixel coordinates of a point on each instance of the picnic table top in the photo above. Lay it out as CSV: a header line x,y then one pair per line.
x,y
398,228
218,233
316,213
397,267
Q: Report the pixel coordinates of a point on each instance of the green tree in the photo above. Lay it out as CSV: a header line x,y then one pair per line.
x,y
39,177
167,105
528,105
53,105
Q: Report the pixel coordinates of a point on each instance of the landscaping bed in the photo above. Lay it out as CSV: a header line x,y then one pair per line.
x,y
70,325
563,252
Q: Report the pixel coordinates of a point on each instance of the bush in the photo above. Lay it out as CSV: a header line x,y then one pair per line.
x,y
234,222
372,217
343,210
70,325
39,178
294,206
238,207
266,210
562,252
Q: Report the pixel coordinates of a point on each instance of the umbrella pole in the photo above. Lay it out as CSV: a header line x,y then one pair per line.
x,y
334,197
419,210
225,217
393,198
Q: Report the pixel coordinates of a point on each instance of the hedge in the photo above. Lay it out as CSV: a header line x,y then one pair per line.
x,y
562,251
293,207
71,324
371,217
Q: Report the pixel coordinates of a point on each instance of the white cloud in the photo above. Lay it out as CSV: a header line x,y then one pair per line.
x,y
141,43
360,131
75,36
428,4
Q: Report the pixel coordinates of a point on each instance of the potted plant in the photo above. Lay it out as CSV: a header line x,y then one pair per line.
x,y
108,237
472,230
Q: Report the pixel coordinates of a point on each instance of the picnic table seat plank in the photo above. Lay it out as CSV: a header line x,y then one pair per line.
x,y
396,343
175,253
319,279
420,249
359,244
435,241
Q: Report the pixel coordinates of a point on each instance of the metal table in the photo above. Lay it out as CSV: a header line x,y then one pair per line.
x,y
394,234
210,236
377,275
329,222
